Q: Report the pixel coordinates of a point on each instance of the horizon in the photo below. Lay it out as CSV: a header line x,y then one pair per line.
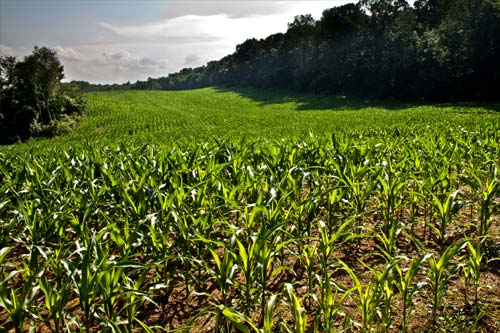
x,y
114,42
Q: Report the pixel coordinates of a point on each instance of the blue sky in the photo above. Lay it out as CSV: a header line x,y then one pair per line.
x,y
128,40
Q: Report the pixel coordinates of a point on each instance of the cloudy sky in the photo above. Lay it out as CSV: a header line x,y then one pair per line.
x,y
128,40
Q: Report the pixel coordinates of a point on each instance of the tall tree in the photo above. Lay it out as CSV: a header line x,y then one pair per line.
x,y
435,49
31,94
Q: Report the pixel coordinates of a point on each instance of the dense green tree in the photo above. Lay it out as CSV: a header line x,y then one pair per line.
x,y
484,55
432,49
32,97
343,22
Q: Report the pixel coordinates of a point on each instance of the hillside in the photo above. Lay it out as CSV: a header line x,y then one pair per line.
x,y
164,117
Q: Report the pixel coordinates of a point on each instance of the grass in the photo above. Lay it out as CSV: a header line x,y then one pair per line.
x,y
255,211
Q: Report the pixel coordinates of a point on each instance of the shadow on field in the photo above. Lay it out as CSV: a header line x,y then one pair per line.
x,y
307,102
461,107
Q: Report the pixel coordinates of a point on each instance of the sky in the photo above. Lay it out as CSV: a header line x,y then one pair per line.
x,y
115,41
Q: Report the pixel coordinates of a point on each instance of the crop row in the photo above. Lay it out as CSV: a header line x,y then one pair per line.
x,y
396,231
162,117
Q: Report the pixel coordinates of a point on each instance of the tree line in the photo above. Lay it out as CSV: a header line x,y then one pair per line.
x,y
433,49
33,100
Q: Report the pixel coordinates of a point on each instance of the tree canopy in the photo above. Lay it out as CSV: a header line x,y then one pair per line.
x,y
32,97
435,49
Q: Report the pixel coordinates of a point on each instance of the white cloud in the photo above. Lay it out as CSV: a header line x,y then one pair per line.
x,y
246,8
118,63
125,59
6,50
196,28
112,57
67,53
221,27
185,33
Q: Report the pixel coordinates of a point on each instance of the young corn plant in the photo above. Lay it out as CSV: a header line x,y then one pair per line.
x,y
267,249
257,261
472,270
444,211
131,294
268,324
298,312
488,190
407,288
439,273
358,185
415,202
35,225
225,266
160,248
391,184
109,287
330,240
125,237
236,320
247,264
244,323
183,242
56,296
387,241
18,300
223,274
333,199
57,291
308,259
329,302
367,300
384,281
435,182
86,279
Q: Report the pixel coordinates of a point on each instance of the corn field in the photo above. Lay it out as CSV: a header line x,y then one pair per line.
x,y
390,230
